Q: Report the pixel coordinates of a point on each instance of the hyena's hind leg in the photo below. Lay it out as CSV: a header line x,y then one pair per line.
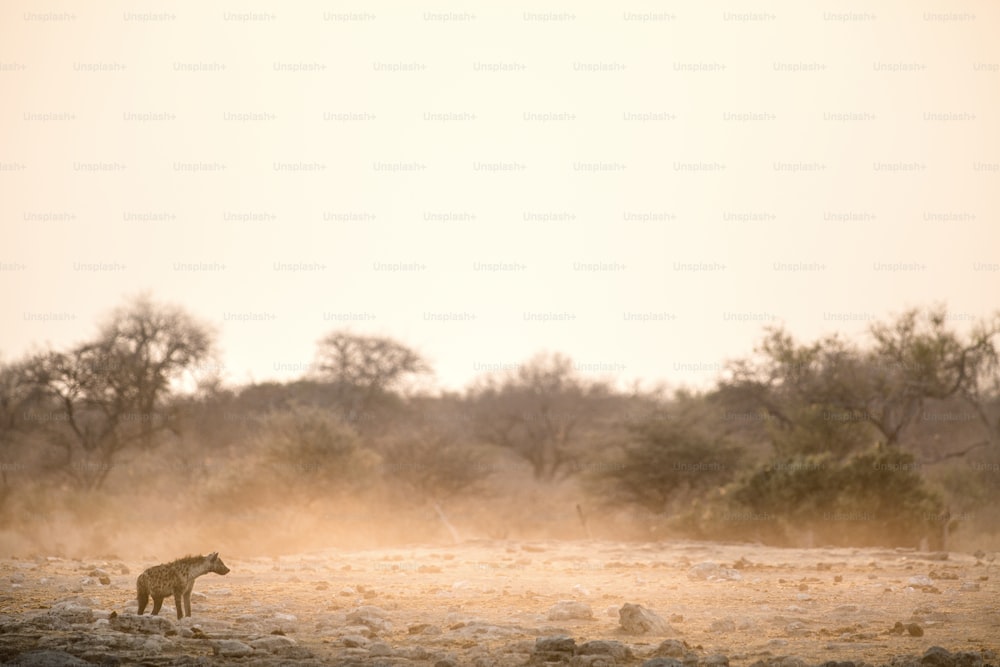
x,y
142,596
157,603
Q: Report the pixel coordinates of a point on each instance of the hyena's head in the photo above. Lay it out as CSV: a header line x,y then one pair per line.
x,y
215,563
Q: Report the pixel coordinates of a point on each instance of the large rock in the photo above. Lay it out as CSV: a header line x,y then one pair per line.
x,y
72,612
49,659
637,620
231,648
672,648
147,625
272,643
558,644
613,649
370,616
570,609
781,661
559,648
936,656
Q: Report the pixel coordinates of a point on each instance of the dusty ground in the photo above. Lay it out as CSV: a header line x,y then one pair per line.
x,y
488,603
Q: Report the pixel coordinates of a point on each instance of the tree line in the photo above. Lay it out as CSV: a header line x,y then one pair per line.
x,y
883,440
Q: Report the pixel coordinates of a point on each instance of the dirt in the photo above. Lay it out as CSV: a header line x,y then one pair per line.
x,y
489,603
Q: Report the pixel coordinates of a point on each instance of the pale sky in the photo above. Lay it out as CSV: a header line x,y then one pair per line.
x,y
658,181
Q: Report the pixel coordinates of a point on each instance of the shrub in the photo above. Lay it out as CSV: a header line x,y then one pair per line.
x,y
876,497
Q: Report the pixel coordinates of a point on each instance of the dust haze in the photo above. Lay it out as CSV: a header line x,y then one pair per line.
x,y
838,490
500,335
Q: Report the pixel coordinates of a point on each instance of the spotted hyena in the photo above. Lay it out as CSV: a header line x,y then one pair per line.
x,y
175,578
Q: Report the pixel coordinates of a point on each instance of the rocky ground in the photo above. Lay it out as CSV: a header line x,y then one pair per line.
x,y
584,604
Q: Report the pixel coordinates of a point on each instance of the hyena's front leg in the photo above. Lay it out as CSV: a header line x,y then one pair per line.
x,y
187,599
178,602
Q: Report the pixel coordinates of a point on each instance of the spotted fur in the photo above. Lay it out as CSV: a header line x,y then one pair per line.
x,y
175,578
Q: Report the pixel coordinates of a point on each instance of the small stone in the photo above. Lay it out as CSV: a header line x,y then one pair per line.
x,y
616,650
671,648
915,630
49,659
423,629
272,643
723,625
231,648
711,571
936,656
72,612
637,620
557,644
380,649
662,662
570,609
355,641
371,616
147,624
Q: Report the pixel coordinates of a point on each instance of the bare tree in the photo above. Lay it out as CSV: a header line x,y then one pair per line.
x,y
365,367
17,395
542,411
112,394
821,396
927,361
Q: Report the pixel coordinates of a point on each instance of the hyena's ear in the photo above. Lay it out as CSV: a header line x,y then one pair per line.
x,y
213,555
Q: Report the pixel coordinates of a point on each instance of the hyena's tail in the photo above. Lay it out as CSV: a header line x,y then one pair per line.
x,y
142,593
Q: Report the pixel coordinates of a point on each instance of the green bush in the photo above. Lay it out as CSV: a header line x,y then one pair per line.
x,y
876,497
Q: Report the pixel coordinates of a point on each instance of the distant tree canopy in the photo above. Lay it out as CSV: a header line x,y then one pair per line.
x,y
834,396
670,457
843,419
543,411
365,367
112,393
836,439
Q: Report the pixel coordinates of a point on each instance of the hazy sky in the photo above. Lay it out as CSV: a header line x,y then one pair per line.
x,y
642,186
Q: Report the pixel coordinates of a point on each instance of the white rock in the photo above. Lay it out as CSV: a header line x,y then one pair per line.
x,y
723,625
570,609
380,649
231,648
712,571
272,643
